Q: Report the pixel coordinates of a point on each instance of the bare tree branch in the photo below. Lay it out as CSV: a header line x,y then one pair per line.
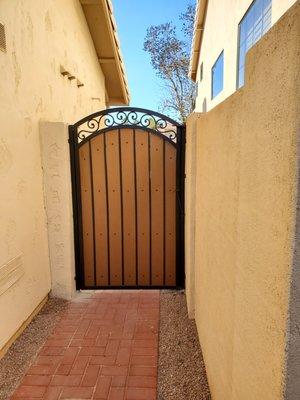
x,y
170,59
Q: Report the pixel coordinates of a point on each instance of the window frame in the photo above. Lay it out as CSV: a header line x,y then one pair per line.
x,y
212,75
239,42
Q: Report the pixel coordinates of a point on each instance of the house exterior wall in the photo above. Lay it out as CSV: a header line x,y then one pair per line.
x,y
227,14
40,36
239,283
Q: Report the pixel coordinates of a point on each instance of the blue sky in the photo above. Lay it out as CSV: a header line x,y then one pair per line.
x,y
133,18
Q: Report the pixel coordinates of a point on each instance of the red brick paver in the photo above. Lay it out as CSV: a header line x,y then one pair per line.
x,y
104,347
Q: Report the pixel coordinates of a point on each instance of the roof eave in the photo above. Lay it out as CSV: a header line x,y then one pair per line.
x,y
110,60
197,38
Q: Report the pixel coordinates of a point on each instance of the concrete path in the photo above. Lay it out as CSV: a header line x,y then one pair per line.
x,y
104,347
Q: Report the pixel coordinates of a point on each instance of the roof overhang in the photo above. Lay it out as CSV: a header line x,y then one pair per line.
x,y
197,38
103,29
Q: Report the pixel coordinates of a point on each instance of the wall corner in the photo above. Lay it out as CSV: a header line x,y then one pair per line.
x,y
190,209
292,349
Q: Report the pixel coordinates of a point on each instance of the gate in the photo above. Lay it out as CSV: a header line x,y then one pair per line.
x,y
127,168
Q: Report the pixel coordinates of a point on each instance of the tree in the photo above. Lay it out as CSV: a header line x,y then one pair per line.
x,y
170,57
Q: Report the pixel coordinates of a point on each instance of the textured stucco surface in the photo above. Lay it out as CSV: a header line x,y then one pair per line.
x,y
58,204
227,14
245,214
40,36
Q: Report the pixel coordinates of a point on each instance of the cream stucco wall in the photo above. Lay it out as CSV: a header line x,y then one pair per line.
x,y
245,196
226,14
58,204
41,36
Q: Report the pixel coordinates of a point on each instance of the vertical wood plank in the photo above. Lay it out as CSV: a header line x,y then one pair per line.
x,y
170,215
157,210
87,214
100,214
143,207
114,207
129,206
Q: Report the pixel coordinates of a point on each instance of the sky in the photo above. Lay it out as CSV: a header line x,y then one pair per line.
x,y
133,18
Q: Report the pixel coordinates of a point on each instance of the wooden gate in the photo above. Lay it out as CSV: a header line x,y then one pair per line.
x,y
128,199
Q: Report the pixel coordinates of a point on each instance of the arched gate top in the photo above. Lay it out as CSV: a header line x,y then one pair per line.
x,y
126,117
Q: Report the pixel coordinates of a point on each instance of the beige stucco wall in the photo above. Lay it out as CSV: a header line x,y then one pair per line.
x,y
226,14
245,215
40,36
58,205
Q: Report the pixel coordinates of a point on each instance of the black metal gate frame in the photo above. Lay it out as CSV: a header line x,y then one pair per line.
x,y
134,118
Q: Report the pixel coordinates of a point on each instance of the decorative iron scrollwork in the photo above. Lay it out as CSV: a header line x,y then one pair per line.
x,y
127,117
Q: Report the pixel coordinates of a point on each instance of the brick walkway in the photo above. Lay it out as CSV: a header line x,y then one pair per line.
x,y
104,347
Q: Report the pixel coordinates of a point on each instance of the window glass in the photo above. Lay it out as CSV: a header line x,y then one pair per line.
x,y
201,71
256,22
217,76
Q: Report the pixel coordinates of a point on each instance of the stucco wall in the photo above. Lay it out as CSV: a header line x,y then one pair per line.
x,y
245,215
227,14
58,205
40,36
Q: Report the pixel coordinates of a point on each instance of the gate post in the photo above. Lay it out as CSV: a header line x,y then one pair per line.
x,y
58,204
76,207
180,248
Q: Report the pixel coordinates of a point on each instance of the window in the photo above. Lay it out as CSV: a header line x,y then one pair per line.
x,y
201,72
253,26
217,76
